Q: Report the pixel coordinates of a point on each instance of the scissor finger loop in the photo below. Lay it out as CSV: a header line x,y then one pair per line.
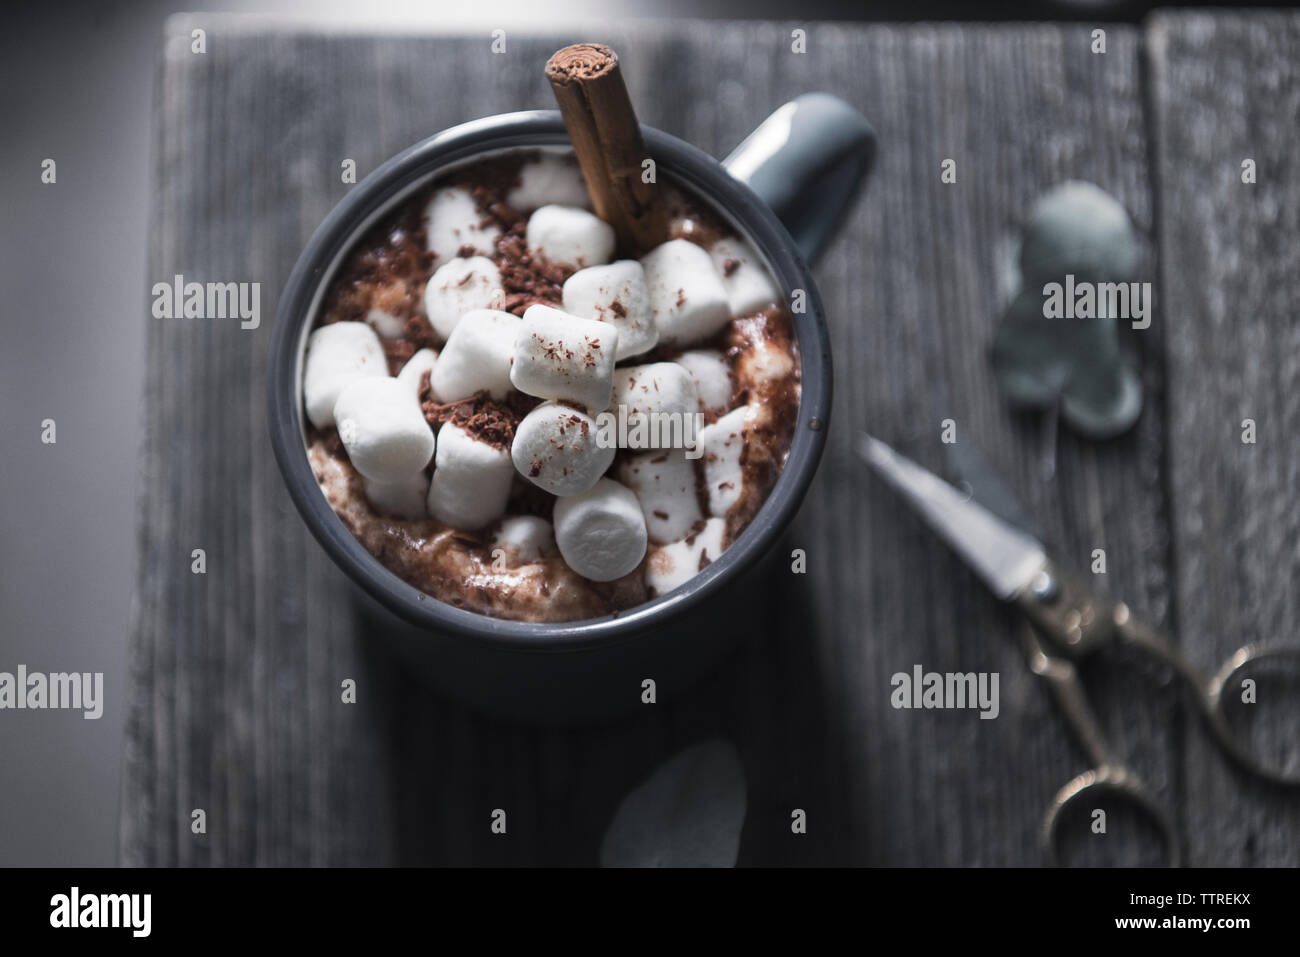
x,y
1209,694
1115,780
1215,700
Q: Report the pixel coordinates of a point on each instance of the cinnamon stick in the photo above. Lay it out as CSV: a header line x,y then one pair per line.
x,y
588,86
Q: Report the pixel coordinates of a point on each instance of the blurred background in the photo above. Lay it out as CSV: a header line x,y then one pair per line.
x,y
78,87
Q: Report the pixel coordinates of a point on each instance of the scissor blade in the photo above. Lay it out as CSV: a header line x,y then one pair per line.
x,y
971,472
1003,556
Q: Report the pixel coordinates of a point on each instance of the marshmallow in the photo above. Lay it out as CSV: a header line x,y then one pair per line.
x,y
672,565
555,448
386,324
687,298
566,234
559,356
454,220
337,355
763,362
404,498
416,366
525,538
616,294
601,533
462,285
712,377
748,284
550,178
471,480
657,387
383,429
477,356
723,441
664,484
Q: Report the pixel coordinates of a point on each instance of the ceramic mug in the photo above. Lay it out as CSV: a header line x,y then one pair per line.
x,y
785,189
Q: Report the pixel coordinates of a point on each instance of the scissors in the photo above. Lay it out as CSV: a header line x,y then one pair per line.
x,y
1064,623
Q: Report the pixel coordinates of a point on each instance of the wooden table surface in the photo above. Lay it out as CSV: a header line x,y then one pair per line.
x,y
235,674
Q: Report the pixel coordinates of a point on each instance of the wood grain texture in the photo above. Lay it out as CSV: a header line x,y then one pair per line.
x,y
912,289
236,674
1227,89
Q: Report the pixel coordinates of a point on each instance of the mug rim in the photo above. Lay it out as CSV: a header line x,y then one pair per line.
x,y
702,176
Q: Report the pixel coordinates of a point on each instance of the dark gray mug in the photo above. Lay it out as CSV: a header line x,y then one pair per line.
x,y
785,189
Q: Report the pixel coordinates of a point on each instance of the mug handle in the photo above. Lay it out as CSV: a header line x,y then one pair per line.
x,y
807,161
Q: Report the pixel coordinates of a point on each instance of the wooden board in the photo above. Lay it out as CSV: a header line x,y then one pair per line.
x,y
1227,89
235,674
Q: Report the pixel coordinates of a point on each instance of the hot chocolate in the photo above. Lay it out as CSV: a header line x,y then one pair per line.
x,y
518,423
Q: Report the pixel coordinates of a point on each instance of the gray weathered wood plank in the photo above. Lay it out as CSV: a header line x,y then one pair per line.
x,y
1227,89
912,289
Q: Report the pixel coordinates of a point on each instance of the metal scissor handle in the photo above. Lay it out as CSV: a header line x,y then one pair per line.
x,y
1209,695
1075,624
1109,776
1214,696
1119,781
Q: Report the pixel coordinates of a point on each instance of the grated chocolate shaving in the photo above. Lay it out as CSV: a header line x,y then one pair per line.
x,y
489,421
528,279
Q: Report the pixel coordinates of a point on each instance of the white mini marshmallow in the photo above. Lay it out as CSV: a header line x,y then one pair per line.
x,y
386,324
550,178
764,362
712,378
687,298
525,538
559,356
672,565
601,533
723,441
748,284
404,498
461,286
416,366
337,355
471,480
477,356
453,220
567,234
656,387
383,429
555,448
664,484
616,294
